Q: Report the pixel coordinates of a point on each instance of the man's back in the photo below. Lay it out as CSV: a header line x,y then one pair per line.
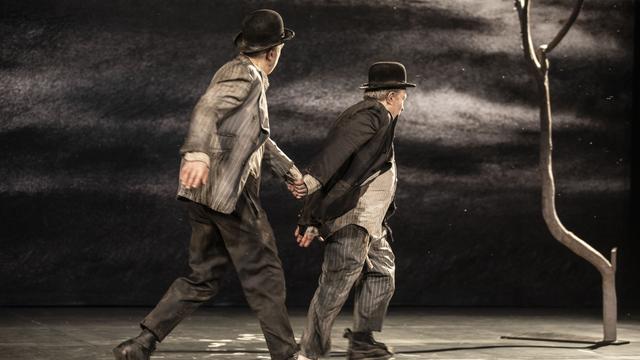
x,y
229,123
358,145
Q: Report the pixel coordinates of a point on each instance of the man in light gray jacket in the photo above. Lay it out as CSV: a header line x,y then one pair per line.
x,y
227,141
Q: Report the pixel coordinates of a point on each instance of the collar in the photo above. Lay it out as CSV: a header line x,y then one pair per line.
x,y
264,77
384,109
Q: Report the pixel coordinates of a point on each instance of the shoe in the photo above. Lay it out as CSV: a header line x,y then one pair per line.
x,y
137,348
302,357
362,346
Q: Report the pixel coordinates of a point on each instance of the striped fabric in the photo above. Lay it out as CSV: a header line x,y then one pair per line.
x,y
229,123
343,269
372,206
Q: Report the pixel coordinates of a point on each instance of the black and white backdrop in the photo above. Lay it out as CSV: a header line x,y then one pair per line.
x,y
95,98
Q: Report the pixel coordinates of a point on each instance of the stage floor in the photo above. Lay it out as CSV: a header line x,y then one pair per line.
x,y
233,333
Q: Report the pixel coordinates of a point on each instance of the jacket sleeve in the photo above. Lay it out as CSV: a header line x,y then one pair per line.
x,y
276,159
342,141
227,91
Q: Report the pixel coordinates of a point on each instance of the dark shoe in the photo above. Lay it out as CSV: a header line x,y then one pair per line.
x,y
362,346
301,356
137,348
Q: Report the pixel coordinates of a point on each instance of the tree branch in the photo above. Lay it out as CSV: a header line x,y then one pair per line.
x,y
522,7
565,29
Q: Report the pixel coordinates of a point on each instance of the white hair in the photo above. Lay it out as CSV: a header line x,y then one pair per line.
x,y
379,94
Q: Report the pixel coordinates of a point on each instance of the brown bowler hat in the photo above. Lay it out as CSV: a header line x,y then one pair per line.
x,y
261,30
387,75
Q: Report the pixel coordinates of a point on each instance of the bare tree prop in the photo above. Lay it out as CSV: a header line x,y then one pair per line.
x,y
539,65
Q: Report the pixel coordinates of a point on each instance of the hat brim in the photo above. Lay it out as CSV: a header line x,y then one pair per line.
x,y
383,86
246,48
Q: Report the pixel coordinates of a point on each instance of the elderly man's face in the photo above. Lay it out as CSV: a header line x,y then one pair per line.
x,y
395,102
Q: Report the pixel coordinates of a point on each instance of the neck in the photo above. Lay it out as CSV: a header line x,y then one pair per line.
x,y
386,107
261,64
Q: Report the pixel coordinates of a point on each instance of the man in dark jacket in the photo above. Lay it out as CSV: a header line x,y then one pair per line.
x,y
351,185
227,142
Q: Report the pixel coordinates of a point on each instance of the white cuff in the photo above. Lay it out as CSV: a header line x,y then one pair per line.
x,y
197,156
295,173
312,184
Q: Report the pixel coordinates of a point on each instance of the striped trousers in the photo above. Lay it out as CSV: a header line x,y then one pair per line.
x,y
345,266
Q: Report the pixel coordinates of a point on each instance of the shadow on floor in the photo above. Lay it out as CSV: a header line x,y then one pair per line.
x,y
417,351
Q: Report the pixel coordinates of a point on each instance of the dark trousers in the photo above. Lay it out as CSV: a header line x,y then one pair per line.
x,y
245,239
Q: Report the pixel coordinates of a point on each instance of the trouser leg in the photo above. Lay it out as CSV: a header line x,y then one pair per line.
x,y
344,257
207,259
252,248
375,288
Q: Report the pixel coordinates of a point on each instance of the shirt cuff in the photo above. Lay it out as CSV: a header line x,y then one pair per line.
x,y
295,173
312,184
197,156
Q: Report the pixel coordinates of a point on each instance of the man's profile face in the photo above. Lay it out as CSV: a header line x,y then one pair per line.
x,y
395,100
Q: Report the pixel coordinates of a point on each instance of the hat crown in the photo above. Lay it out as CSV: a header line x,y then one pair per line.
x,y
387,75
261,30
262,27
387,72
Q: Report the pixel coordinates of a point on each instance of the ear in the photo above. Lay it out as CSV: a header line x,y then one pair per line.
x,y
390,96
271,54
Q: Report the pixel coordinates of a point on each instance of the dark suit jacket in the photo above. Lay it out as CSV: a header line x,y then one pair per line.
x,y
359,143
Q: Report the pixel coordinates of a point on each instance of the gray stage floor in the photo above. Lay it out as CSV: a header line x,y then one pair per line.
x,y
233,333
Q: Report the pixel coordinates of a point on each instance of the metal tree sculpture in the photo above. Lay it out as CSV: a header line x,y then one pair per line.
x,y
539,65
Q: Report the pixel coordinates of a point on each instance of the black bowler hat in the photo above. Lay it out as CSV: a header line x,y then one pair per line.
x,y
261,30
387,75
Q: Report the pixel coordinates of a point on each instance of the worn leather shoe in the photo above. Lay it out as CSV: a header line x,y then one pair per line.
x,y
362,346
137,348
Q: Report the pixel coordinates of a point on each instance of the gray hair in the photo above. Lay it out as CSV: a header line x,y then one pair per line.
x,y
378,94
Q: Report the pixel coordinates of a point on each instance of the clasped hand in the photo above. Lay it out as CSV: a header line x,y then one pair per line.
x,y
297,187
304,240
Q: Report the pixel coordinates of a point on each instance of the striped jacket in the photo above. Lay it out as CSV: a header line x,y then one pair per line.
x,y
229,123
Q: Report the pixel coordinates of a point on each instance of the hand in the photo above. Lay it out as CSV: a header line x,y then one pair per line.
x,y
310,234
298,188
194,174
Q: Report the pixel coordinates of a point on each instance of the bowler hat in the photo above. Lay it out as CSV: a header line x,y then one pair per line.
x,y
387,75
261,30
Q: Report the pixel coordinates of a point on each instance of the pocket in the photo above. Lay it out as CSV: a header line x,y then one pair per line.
x,y
222,142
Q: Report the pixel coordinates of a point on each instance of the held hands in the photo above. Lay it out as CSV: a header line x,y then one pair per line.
x,y
194,174
297,188
310,234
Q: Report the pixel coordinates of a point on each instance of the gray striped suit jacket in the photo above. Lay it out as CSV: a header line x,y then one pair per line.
x,y
229,123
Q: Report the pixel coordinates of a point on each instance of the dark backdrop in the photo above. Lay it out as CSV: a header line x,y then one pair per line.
x,y
95,101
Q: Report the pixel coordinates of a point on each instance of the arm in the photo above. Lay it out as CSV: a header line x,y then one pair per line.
x,y
284,168
223,95
279,162
342,141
